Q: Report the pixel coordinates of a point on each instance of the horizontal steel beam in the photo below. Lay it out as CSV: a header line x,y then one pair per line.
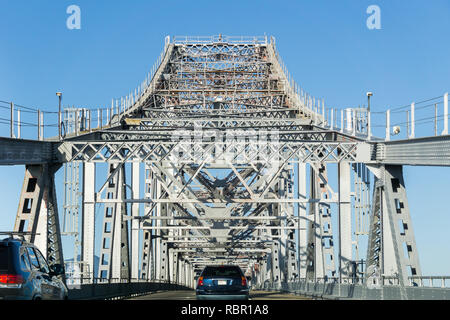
x,y
238,200
431,151
28,152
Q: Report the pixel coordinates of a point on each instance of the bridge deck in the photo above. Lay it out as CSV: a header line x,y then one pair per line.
x,y
190,295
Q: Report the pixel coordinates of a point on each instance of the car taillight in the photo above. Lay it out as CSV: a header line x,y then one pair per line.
x,y
200,282
11,279
244,281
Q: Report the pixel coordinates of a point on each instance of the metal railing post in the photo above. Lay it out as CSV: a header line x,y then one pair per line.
x,y
42,125
59,124
369,128
76,122
12,120
323,112
354,122
89,120
388,125
332,119
18,124
407,124
445,132
412,121
39,124
435,118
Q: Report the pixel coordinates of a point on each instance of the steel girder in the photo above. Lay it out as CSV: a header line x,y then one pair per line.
x,y
149,151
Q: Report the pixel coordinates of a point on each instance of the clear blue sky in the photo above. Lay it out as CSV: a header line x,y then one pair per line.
x,y
325,44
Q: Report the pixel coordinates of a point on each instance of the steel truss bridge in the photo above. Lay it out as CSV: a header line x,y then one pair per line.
x,y
220,157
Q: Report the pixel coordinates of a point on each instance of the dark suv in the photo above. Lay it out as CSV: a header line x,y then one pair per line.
x,y
25,274
222,283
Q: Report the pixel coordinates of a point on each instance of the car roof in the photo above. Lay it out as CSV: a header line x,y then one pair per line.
x,y
13,241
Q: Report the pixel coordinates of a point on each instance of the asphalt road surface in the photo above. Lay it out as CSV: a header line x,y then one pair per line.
x,y
190,295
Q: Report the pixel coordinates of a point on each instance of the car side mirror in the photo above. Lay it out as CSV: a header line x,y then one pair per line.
x,y
56,270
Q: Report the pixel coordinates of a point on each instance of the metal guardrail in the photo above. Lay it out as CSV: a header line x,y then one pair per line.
x,y
330,288
219,39
414,281
117,289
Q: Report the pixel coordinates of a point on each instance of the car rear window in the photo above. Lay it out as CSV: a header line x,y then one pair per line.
x,y
4,258
222,272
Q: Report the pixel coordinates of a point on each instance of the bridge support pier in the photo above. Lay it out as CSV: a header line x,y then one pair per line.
x,y
392,251
38,211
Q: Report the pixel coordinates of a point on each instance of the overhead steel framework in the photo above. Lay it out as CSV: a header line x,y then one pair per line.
x,y
220,157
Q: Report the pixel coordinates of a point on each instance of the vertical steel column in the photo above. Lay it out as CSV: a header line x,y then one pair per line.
x,y
182,277
135,187
320,250
290,248
186,273
146,255
164,271
108,243
158,242
281,210
326,230
302,222
147,245
345,221
313,260
88,218
276,272
191,276
114,254
125,271
374,258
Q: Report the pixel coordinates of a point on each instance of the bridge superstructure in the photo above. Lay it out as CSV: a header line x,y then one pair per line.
x,y
220,157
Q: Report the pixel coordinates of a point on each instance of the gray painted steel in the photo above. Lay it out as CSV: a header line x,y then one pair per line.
x,y
342,291
222,131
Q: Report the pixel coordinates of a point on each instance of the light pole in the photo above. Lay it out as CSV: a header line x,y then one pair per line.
x,y
59,94
369,128
369,94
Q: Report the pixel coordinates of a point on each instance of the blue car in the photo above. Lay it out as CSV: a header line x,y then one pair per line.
x,y
25,274
225,282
